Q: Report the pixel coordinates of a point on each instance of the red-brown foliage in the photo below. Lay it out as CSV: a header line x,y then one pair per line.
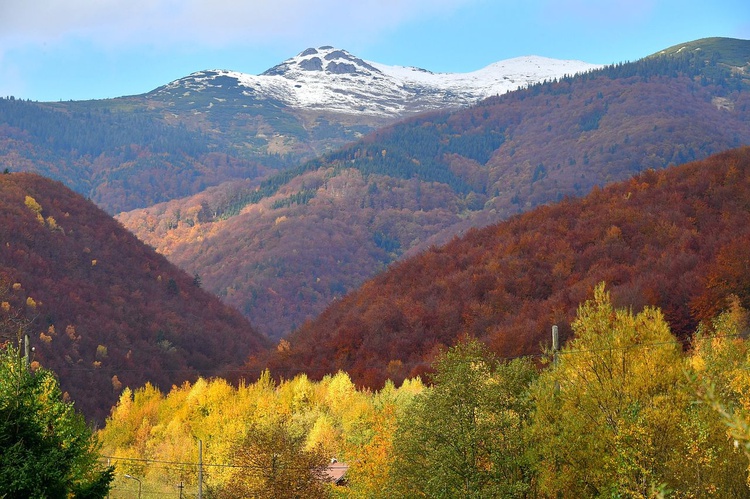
x,y
282,264
442,173
105,304
675,238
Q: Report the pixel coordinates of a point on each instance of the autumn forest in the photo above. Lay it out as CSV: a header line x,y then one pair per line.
x,y
545,294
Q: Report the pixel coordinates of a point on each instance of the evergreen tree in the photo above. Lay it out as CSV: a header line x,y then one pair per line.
x,y
46,448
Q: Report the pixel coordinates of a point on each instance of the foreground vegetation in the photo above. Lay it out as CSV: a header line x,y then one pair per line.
x,y
46,448
623,411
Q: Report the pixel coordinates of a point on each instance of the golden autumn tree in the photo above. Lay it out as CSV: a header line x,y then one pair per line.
x,y
720,373
371,460
610,415
272,462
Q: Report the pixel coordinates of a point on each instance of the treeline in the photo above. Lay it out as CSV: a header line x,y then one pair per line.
x,y
623,409
412,149
121,157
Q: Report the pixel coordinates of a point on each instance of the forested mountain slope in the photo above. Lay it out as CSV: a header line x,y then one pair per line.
x,y
674,238
213,126
283,250
102,309
121,153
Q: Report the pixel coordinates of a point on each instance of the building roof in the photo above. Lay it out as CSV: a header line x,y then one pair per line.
x,y
336,472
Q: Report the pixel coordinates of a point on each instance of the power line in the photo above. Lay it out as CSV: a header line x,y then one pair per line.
x,y
162,464
260,370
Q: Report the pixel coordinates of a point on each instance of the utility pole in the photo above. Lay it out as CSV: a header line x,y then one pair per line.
x,y
555,353
555,344
200,469
26,352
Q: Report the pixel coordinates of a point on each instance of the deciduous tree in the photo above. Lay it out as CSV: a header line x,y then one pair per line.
x,y
273,463
608,414
463,437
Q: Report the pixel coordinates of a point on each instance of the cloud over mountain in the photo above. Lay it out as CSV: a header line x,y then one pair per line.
x,y
214,22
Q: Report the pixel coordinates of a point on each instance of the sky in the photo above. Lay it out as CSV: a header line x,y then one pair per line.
x,y
53,50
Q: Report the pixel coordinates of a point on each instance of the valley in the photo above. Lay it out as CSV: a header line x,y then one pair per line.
x,y
309,235
282,232
245,283
453,249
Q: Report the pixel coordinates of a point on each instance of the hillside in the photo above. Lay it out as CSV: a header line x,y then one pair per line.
x,y
117,153
674,238
216,125
297,241
729,53
106,311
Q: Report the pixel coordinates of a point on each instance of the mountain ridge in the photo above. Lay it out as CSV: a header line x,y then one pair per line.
x,y
671,238
307,236
208,128
378,198
332,79
733,51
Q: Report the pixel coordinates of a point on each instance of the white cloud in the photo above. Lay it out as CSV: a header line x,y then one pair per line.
x,y
212,22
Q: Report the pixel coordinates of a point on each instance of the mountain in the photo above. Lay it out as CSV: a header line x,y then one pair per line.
x,y
727,53
228,191
674,238
282,250
105,310
119,153
217,126
331,79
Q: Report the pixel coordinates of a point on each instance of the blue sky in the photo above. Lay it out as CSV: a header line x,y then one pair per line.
x,y
89,49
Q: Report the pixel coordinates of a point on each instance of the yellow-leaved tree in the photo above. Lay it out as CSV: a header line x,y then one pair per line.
x,y
720,370
371,459
608,413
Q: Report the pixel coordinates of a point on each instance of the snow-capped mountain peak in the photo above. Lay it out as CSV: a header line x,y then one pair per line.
x,y
325,59
331,79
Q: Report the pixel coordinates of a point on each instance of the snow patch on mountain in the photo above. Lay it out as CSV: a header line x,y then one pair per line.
x,y
331,79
